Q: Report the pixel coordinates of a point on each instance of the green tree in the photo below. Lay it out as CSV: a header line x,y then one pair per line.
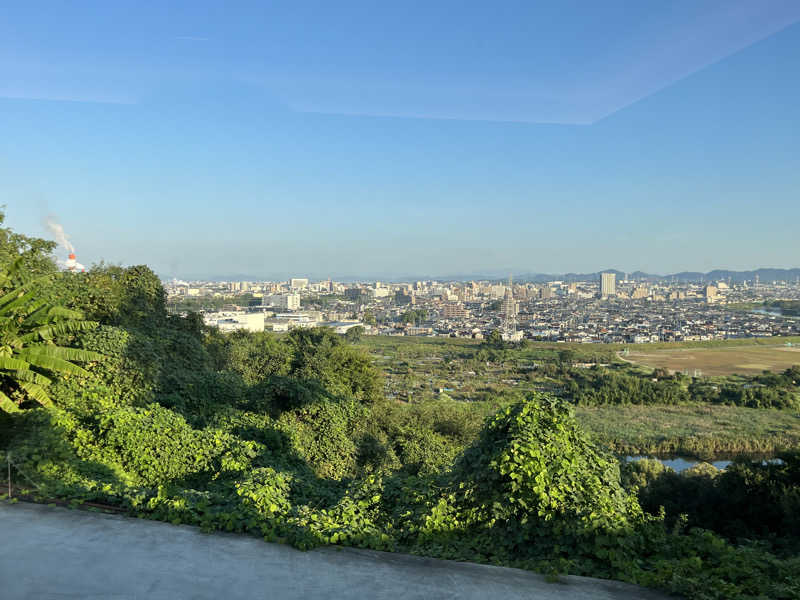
x,y
495,339
353,335
256,356
661,373
28,326
566,357
369,317
414,316
34,253
319,354
113,295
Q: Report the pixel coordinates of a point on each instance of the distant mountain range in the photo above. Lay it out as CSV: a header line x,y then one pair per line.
x,y
764,275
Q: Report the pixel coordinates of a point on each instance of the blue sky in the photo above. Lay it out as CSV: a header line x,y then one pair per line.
x,y
390,139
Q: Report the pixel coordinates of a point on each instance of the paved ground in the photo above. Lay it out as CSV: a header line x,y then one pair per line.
x,y
48,552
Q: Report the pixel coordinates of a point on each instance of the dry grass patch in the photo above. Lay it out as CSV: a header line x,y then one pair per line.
x,y
747,360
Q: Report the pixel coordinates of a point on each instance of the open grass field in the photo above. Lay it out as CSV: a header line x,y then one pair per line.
x,y
421,369
700,430
724,360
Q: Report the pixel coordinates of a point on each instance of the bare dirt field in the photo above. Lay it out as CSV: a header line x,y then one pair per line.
x,y
747,360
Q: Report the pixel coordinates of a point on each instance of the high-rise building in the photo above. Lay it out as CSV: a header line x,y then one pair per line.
x,y
497,291
608,285
299,283
509,304
453,310
403,297
357,294
285,301
510,333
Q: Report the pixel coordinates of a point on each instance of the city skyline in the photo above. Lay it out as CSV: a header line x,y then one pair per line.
x,y
591,311
766,274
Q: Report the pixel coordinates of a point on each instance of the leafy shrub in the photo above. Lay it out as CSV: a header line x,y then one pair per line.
x,y
638,474
595,387
255,356
324,434
423,451
131,368
318,354
158,446
532,487
279,394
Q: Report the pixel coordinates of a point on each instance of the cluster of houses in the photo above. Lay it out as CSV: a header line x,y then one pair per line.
x,y
636,312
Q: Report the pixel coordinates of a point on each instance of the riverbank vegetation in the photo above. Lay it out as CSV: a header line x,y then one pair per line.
x,y
699,430
294,439
747,500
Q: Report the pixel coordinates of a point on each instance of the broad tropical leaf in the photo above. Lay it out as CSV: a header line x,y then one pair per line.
x,y
12,295
23,300
41,360
7,404
36,313
28,324
48,332
36,392
32,377
53,351
13,364
59,312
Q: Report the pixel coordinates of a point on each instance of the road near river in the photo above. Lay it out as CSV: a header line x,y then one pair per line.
x,y
50,553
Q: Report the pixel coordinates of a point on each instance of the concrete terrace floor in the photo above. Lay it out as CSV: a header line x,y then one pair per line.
x,y
49,552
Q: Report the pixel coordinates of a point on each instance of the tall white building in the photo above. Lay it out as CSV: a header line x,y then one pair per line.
x,y
497,291
299,283
284,301
608,285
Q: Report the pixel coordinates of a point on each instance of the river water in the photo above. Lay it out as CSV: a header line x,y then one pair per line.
x,y
681,463
773,312
678,463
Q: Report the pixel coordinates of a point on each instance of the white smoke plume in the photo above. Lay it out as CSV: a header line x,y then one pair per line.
x,y
71,264
58,232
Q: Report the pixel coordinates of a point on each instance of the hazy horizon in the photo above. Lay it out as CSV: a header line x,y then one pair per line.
x,y
409,277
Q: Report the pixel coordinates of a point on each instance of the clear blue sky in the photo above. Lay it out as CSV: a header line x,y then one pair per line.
x,y
391,138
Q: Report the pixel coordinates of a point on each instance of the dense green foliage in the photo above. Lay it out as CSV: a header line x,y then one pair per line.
x,y
291,438
34,253
748,500
531,488
598,386
29,326
415,316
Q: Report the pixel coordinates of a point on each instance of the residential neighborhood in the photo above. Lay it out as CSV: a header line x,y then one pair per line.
x,y
605,310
